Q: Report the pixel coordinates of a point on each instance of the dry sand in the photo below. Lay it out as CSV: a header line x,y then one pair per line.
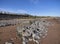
x,y
53,37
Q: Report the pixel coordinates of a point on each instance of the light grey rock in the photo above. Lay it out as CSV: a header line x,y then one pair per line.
x,y
37,30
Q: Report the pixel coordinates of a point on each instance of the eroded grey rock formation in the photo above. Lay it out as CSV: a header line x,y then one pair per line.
x,y
34,32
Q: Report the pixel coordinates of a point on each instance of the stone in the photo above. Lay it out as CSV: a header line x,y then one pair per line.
x,y
37,30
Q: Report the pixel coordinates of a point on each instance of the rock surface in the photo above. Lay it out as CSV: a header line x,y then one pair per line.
x,y
34,32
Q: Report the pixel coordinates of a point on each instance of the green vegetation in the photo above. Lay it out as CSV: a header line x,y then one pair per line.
x,y
20,35
30,22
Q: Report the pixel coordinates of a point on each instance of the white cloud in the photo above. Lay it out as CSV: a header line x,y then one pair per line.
x,y
6,10
34,1
21,11
14,11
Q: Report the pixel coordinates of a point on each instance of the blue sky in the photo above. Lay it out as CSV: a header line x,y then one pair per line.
x,y
34,7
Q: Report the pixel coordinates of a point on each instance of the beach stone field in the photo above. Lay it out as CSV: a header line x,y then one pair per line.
x,y
30,31
34,31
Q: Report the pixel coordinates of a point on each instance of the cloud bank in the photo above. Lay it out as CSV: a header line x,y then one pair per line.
x,y
14,11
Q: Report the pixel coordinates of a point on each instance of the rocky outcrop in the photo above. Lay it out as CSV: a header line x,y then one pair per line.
x,y
34,32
